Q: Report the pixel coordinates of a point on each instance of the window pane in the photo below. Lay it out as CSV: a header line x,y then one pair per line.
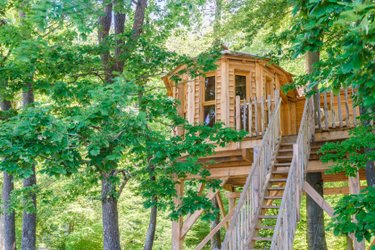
x,y
209,115
209,85
241,86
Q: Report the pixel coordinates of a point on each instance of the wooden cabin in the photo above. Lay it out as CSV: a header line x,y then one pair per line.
x,y
285,132
250,78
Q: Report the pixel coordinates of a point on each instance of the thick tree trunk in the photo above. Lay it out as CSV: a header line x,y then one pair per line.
x,y
9,230
216,239
29,217
150,235
315,217
370,168
311,58
315,220
111,235
9,217
139,18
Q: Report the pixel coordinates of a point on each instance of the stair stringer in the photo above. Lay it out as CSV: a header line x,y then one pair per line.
x,y
263,192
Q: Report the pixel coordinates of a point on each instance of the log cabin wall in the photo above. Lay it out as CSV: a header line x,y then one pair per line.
x,y
262,79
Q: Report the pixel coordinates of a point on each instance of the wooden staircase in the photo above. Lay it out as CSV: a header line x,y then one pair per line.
x,y
267,213
267,216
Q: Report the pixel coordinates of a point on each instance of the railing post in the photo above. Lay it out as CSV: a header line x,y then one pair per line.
x,y
238,113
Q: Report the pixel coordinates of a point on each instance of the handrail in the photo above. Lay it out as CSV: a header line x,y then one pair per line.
x,y
243,222
289,210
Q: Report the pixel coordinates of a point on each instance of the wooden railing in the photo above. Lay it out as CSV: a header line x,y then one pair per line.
x,y
242,224
289,210
336,110
254,115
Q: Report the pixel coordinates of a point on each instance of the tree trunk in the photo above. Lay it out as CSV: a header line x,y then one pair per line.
x,y
9,239
216,239
150,235
217,21
111,235
9,217
370,169
29,217
315,217
311,58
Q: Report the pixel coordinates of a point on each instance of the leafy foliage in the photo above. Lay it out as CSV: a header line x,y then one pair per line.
x,y
351,155
362,208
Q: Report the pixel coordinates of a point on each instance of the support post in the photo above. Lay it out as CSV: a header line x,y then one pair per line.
x,y
177,240
355,188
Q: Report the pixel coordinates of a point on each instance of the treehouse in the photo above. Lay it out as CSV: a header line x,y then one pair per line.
x,y
263,177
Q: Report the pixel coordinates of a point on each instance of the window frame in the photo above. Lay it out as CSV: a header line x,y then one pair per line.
x,y
246,74
205,103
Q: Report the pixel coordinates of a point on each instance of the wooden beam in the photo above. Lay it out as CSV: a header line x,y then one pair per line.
x,y
338,190
355,188
224,92
233,195
317,198
214,230
331,135
177,240
221,207
189,222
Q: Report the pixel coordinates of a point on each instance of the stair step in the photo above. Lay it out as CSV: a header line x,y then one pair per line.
x,y
276,188
272,197
262,239
286,171
270,207
287,143
284,157
267,216
285,150
265,227
282,164
278,180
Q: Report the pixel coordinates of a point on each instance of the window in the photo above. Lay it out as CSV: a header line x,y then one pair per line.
x,y
240,86
209,112
209,115
209,86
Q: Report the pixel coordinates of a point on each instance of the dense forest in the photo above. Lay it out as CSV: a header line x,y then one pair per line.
x,y
88,144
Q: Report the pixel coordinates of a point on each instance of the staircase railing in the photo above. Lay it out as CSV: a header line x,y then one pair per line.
x,y
243,222
289,210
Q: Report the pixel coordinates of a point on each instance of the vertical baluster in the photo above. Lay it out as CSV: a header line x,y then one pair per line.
x,y
332,100
325,111
346,106
256,115
238,113
354,109
244,118
250,117
269,108
318,111
262,112
339,108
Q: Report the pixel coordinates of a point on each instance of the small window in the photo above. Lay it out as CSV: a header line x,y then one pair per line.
x,y
209,115
209,88
240,86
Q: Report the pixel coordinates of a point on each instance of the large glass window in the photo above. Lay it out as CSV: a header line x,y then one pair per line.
x,y
209,88
240,86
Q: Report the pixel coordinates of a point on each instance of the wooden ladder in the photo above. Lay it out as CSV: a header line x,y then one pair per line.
x,y
270,205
